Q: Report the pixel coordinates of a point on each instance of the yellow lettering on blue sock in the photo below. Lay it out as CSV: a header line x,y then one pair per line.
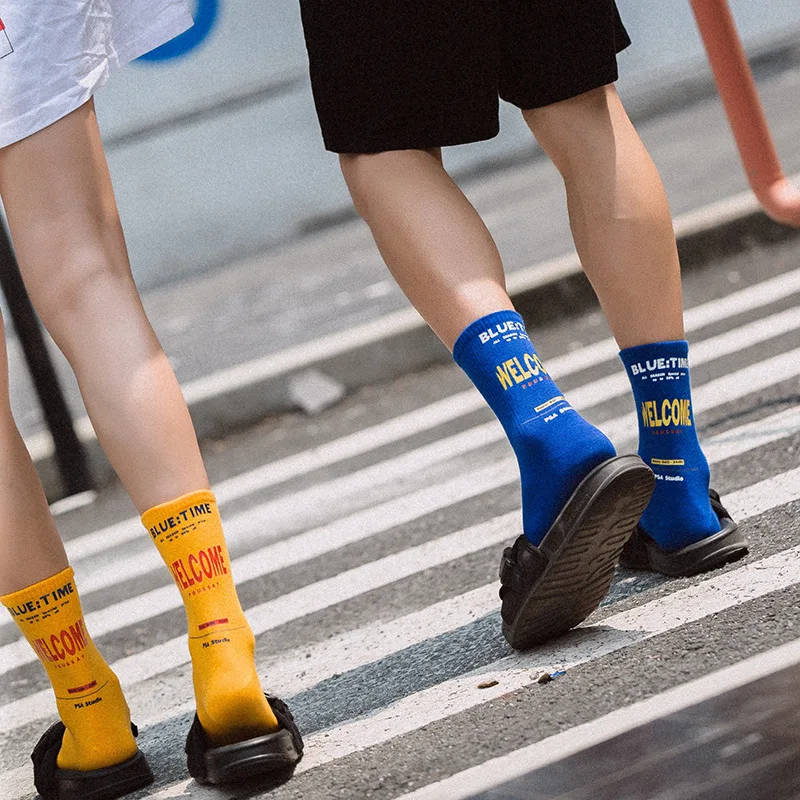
x,y
531,364
503,377
524,373
512,369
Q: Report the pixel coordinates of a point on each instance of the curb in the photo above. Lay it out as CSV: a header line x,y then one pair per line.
x,y
401,342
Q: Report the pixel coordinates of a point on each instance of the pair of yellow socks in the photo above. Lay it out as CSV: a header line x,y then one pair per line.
x,y
230,703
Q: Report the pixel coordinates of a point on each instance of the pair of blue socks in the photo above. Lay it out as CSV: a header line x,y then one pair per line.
x,y
556,447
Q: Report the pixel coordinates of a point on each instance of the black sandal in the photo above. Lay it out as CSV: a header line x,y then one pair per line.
x,y
549,589
272,756
642,551
107,783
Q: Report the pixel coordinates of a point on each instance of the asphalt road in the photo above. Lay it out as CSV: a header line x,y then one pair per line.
x,y
366,542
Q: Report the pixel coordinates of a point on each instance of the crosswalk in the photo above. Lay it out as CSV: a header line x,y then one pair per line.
x,y
367,564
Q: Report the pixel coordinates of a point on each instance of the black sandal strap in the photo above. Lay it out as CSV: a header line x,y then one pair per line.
x,y
45,757
717,507
642,552
50,781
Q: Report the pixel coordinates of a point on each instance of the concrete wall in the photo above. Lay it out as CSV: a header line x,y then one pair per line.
x,y
216,154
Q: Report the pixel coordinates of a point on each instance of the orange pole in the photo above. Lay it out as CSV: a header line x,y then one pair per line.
x,y
734,79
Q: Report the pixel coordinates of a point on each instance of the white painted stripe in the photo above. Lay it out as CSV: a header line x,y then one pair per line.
x,y
73,502
519,670
308,507
363,524
437,413
711,216
695,318
296,672
749,299
301,669
744,504
562,745
295,605
755,378
275,515
707,350
752,435
285,469
18,783
40,445
326,538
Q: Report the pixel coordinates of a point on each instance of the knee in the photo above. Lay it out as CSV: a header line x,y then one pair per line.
x,y
356,170
568,127
589,108
79,277
368,173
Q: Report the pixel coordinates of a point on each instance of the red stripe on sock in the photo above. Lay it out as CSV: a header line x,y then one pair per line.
x,y
79,689
212,623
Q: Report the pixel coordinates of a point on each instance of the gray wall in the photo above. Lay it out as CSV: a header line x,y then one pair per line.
x,y
217,155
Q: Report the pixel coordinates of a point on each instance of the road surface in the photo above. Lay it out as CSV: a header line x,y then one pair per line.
x,y
366,542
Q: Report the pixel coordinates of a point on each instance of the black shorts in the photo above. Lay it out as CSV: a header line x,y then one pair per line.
x,y
415,74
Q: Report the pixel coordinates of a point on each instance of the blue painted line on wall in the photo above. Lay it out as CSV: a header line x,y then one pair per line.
x,y
205,20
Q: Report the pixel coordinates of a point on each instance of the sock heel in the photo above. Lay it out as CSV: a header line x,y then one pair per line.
x,y
230,717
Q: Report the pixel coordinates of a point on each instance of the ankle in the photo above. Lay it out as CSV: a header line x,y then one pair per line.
x,y
83,748
232,713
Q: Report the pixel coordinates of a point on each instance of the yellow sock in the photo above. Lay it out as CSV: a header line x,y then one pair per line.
x,y
230,703
88,695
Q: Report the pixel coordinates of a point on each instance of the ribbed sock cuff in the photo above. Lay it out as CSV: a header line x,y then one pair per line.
x,y
36,590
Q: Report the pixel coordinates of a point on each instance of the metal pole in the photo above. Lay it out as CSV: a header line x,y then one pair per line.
x,y
69,452
734,79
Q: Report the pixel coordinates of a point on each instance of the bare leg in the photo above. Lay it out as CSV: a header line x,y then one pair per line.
x,y
618,213
63,217
64,221
623,232
446,262
26,526
431,238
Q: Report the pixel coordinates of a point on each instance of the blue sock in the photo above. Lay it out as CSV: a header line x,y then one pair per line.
x,y
556,448
679,512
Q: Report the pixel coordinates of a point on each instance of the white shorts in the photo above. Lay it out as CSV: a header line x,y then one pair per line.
x,y
54,54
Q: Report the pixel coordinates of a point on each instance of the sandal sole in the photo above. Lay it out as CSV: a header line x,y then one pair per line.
x,y
642,553
265,756
104,784
582,548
